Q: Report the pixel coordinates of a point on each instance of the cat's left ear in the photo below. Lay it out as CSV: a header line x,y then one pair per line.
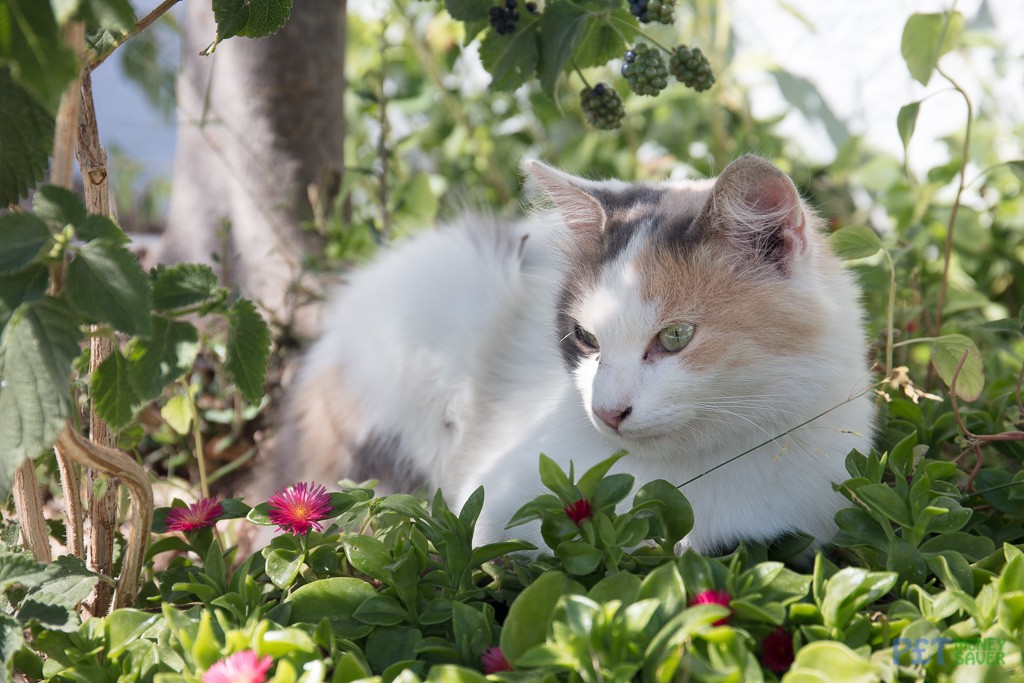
x,y
580,209
757,207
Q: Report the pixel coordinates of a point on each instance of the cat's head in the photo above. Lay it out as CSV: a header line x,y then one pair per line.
x,y
688,303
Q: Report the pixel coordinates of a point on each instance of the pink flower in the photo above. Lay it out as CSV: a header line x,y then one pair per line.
x,y
714,597
299,508
493,660
198,515
241,667
777,650
579,511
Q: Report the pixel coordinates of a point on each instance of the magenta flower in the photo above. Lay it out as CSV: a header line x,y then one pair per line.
x,y
493,660
241,667
198,515
713,597
299,508
579,511
777,650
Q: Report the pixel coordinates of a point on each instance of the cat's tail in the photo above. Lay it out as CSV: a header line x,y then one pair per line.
x,y
387,391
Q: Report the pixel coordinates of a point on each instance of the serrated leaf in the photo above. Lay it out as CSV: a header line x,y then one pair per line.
x,y
26,139
22,287
855,241
113,392
512,59
248,349
181,285
605,36
562,26
169,353
38,57
53,605
58,204
96,227
105,284
467,10
946,353
116,16
920,45
23,237
250,18
37,347
21,569
11,639
906,121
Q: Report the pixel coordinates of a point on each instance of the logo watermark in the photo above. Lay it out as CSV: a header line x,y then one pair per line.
x,y
976,651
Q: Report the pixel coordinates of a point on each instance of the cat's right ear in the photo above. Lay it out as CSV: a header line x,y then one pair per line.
x,y
579,208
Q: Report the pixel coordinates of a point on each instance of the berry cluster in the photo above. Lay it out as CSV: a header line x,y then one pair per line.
x,y
602,106
644,69
646,11
691,67
504,17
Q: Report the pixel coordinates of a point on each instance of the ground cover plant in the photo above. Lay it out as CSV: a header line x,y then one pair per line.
x,y
925,579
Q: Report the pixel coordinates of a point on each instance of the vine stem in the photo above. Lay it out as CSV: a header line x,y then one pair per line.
x,y
141,26
197,439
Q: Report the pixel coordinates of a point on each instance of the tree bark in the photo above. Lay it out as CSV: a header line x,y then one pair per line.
x,y
259,121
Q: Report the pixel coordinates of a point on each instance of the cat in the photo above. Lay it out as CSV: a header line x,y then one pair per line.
x,y
685,322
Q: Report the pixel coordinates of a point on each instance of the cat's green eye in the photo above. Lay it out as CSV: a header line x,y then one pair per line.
x,y
675,337
586,338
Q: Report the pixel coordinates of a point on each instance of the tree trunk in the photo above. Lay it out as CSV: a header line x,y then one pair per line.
x,y
259,121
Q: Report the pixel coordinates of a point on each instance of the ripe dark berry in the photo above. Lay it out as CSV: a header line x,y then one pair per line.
x,y
644,69
602,107
504,17
691,68
531,7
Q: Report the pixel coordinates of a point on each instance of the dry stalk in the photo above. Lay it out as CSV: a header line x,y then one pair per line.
x,y
28,507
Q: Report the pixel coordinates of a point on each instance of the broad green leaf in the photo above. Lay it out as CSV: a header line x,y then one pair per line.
x,y
855,241
94,227
58,204
605,35
946,354
248,349
552,476
335,599
512,59
883,499
467,10
486,553
527,622
11,640
591,478
850,590
677,513
26,139
562,26
250,18
579,557
105,284
834,662
54,603
205,649
21,288
368,556
906,121
23,236
920,46
182,285
283,566
32,46
381,610
21,569
165,356
177,414
113,392
37,347
112,15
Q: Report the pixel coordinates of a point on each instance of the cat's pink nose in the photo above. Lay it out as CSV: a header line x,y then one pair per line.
x,y
613,417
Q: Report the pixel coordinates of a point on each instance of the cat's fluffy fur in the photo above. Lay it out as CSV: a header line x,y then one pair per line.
x,y
454,359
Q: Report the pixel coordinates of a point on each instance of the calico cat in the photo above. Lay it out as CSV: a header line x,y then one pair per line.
x,y
685,322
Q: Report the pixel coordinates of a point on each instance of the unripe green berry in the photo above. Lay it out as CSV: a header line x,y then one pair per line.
x,y
644,69
602,107
691,68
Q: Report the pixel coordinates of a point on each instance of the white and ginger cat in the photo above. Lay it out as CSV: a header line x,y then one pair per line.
x,y
685,322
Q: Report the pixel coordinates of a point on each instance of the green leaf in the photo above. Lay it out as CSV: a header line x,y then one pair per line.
x,y
552,476
32,45
177,413
855,241
335,599
54,604
527,622
677,514
26,139
205,649
592,477
113,392
112,15
11,640
467,10
23,237
486,553
37,347
946,353
21,288
58,204
579,557
381,610
105,284
512,58
158,361
605,34
181,285
562,26
834,662
283,566
920,46
250,18
883,499
850,590
906,121
94,227
368,556
248,349
20,569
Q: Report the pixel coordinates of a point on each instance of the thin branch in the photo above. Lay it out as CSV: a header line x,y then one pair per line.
x,y
29,508
143,24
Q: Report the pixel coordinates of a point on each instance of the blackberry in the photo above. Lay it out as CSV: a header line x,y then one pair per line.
x,y
602,106
646,11
691,67
644,69
504,17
